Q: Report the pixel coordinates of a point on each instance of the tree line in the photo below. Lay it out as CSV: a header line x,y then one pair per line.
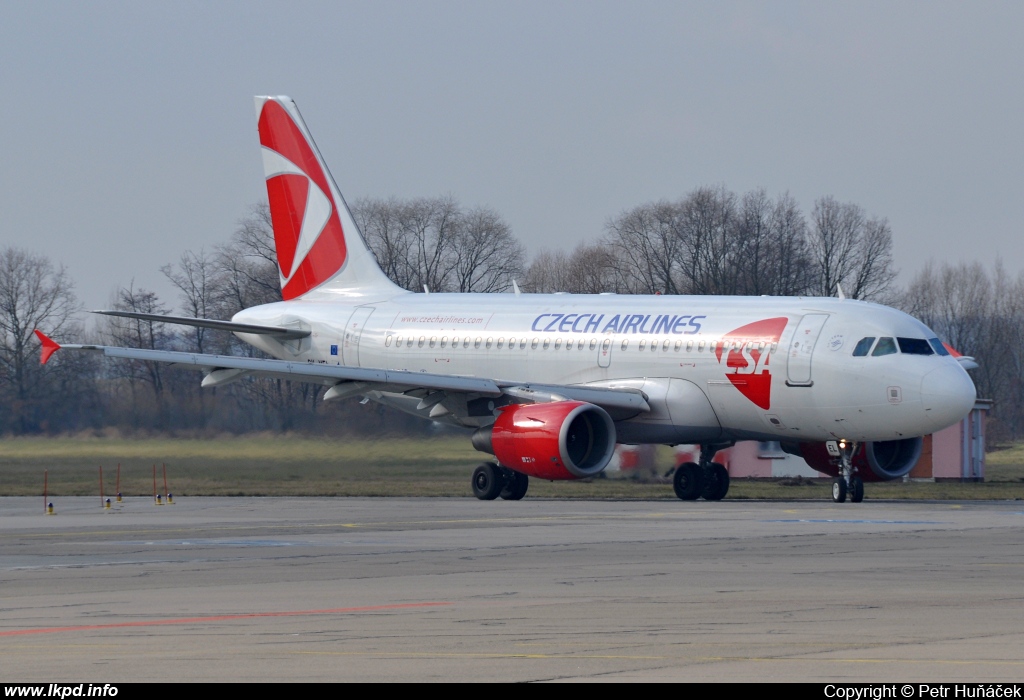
x,y
710,241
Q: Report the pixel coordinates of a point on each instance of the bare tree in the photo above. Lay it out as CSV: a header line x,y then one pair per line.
x,y
247,266
201,282
851,250
487,255
34,293
380,222
772,254
648,241
138,333
547,273
434,243
593,269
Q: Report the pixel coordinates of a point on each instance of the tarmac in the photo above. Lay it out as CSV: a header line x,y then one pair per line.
x,y
432,589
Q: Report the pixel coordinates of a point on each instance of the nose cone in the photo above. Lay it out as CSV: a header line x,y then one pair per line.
x,y
947,395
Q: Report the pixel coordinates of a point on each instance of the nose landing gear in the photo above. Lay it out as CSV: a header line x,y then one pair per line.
x,y
848,482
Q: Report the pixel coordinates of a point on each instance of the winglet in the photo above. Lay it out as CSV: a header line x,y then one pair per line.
x,y
49,347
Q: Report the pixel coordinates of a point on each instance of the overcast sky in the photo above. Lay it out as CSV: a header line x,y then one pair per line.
x,y
129,133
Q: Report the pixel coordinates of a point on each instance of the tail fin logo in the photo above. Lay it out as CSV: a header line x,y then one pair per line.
x,y
746,351
308,234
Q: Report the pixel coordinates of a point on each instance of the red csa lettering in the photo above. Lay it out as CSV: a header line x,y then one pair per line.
x,y
755,362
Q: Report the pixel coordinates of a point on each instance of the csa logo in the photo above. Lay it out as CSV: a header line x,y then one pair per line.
x,y
307,231
746,363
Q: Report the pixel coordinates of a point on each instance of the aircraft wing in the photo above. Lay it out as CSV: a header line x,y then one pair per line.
x,y
221,369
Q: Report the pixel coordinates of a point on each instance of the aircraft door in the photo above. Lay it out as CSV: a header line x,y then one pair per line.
x,y
353,334
604,352
801,349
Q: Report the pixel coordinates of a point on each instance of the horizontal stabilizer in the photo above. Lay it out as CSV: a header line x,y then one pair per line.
x,y
273,331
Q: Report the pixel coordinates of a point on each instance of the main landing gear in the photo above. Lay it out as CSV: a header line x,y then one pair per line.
x,y
491,480
708,480
848,483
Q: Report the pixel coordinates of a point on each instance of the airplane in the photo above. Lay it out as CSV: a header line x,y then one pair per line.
x,y
549,383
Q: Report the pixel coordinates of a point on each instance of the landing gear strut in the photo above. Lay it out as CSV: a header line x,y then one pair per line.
x,y
848,482
707,479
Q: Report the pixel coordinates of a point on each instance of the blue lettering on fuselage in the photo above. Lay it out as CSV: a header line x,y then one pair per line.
x,y
619,323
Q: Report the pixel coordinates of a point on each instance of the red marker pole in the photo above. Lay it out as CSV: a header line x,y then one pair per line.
x,y
165,479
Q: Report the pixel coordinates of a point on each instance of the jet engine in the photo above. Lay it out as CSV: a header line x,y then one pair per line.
x,y
556,441
875,461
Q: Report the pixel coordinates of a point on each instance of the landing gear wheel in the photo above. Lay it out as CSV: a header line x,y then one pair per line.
x,y
688,481
716,482
856,489
487,481
839,490
515,486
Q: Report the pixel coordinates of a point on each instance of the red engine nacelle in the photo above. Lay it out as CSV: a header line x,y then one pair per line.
x,y
875,461
555,441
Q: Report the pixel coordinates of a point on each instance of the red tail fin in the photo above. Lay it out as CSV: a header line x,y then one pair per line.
x,y
315,235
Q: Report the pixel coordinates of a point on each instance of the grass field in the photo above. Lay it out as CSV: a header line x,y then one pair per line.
x,y
267,465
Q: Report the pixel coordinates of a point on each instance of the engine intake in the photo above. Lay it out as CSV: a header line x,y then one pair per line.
x,y
875,461
557,441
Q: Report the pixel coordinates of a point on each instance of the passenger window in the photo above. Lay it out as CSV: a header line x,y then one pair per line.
x,y
476,343
689,346
501,343
535,343
643,344
558,343
547,343
522,344
444,340
914,346
593,343
886,346
679,344
939,348
511,343
700,346
433,340
863,347
423,339
625,344
387,342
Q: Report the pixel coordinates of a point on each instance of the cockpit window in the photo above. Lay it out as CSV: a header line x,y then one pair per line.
x,y
939,348
863,346
915,346
886,346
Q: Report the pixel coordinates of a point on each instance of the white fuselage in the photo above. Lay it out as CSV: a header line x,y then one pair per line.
x,y
767,368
